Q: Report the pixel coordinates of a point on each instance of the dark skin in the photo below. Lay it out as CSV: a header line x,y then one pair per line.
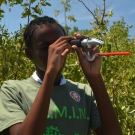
x,y
50,48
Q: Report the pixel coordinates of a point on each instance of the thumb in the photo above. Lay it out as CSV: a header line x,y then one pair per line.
x,y
79,52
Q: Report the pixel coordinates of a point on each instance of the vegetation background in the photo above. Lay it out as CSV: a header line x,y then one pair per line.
x,y
118,72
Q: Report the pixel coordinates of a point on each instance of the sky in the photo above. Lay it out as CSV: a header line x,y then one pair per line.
x,y
121,8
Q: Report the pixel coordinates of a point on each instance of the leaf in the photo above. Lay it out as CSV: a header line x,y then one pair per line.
x,y
32,1
57,12
19,1
34,16
48,4
3,2
111,80
37,10
71,18
25,4
28,11
2,11
24,15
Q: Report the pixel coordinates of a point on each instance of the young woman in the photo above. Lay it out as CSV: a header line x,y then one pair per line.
x,y
47,103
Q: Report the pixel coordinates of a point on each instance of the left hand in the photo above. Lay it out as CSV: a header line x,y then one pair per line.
x,y
90,68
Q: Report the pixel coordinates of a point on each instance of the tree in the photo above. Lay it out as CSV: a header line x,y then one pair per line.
x,y
118,72
67,8
12,43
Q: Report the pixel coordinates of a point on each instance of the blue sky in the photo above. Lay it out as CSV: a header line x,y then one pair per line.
x,y
121,8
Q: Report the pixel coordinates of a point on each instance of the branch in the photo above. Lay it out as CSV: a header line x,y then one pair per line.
x,y
29,9
89,10
103,13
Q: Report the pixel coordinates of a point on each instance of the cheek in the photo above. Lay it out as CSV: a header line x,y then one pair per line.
x,y
40,59
43,55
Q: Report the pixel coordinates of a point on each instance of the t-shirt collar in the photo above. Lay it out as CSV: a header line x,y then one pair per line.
x,y
36,78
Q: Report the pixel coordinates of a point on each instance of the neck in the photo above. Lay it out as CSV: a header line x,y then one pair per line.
x,y
41,73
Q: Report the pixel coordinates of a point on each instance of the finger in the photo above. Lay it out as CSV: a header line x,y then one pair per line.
x,y
62,45
96,48
67,45
85,49
63,40
91,50
67,38
75,35
78,36
95,51
65,52
79,52
90,53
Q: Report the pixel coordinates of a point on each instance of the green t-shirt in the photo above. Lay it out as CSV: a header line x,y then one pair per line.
x,y
72,106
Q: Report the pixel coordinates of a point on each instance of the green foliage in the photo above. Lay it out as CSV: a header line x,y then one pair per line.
x,y
35,10
12,50
32,8
71,18
56,12
1,13
118,72
66,5
13,62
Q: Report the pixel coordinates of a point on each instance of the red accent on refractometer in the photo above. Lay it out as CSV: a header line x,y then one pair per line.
x,y
113,53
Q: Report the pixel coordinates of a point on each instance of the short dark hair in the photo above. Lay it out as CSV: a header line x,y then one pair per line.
x,y
34,24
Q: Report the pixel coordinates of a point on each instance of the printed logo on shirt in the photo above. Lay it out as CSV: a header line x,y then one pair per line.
x,y
53,131
65,112
79,113
75,96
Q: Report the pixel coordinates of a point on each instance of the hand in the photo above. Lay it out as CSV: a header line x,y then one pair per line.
x,y
57,53
90,68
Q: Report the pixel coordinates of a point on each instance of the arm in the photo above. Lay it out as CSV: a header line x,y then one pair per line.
x,y
35,121
33,124
109,121
30,123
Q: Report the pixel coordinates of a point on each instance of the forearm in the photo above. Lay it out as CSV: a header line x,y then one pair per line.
x,y
35,121
109,121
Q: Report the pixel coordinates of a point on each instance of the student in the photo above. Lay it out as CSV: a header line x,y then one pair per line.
x,y
47,103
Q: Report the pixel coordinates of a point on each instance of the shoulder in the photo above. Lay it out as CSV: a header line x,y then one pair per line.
x,y
14,86
12,83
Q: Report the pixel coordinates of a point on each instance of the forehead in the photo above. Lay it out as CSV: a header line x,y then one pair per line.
x,y
47,33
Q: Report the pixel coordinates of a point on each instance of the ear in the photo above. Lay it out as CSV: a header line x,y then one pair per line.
x,y
28,53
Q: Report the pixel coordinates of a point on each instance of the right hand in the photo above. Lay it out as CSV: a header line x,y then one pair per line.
x,y
57,53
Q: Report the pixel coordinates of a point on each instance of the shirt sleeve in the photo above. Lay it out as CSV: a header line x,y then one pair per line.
x,y
10,107
94,115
